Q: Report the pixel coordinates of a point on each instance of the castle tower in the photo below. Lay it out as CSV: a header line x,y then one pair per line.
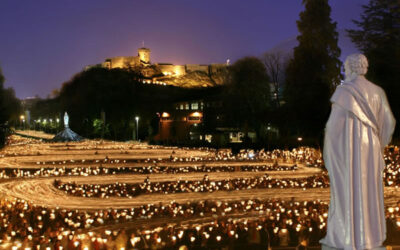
x,y
144,55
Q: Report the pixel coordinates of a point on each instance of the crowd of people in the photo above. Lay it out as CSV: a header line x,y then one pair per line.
x,y
309,156
391,173
232,225
28,225
7,173
30,147
200,224
188,186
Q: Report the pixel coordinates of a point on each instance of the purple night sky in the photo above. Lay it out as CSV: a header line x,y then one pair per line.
x,y
45,42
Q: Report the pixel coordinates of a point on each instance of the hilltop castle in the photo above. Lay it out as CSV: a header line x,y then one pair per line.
x,y
188,75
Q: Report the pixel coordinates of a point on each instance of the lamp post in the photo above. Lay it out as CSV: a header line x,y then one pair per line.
x,y
268,131
45,125
22,120
137,127
299,139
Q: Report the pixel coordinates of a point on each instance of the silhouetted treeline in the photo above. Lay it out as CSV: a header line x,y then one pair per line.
x,y
115,96
9,109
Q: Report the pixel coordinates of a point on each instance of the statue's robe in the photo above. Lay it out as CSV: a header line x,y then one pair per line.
x,y
360,125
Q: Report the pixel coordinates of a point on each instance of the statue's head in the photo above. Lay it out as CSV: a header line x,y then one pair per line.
x,y
355,65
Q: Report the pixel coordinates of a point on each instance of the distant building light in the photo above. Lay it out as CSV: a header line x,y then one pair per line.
x,y
196,114
299,138
165,114
194,106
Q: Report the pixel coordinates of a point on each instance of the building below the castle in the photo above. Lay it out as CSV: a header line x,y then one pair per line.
x,y
187,75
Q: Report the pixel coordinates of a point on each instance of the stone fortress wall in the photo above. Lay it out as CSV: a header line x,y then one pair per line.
x,y
142,60
121,62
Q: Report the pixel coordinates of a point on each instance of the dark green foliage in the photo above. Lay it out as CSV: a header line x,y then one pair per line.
x,y
96,90
121,95
313,72
247,97
9,108
378,37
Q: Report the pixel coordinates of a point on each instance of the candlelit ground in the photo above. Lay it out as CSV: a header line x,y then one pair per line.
x,y
30,168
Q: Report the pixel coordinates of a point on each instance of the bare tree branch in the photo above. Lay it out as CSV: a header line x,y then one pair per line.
x,y
274,63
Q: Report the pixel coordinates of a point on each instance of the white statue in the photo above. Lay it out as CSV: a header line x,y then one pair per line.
x,y
360,125
66,120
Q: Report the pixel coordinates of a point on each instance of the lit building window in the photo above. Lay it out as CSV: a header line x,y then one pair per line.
x,y
187,106
182,107
194,106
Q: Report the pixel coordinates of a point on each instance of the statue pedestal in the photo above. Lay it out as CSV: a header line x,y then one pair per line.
x,y
67,134
325,247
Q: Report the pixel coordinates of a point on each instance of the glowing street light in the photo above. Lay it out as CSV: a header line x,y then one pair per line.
x,y
137,127
22,120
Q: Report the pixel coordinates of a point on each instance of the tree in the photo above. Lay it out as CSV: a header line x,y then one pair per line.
x,y
117,93
248,96
313,72
93,91
275,64
9,108
378,37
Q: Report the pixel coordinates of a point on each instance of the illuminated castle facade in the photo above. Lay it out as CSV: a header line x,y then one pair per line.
x,y
162,73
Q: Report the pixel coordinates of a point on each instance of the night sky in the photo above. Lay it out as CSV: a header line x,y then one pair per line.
x,y
45,42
